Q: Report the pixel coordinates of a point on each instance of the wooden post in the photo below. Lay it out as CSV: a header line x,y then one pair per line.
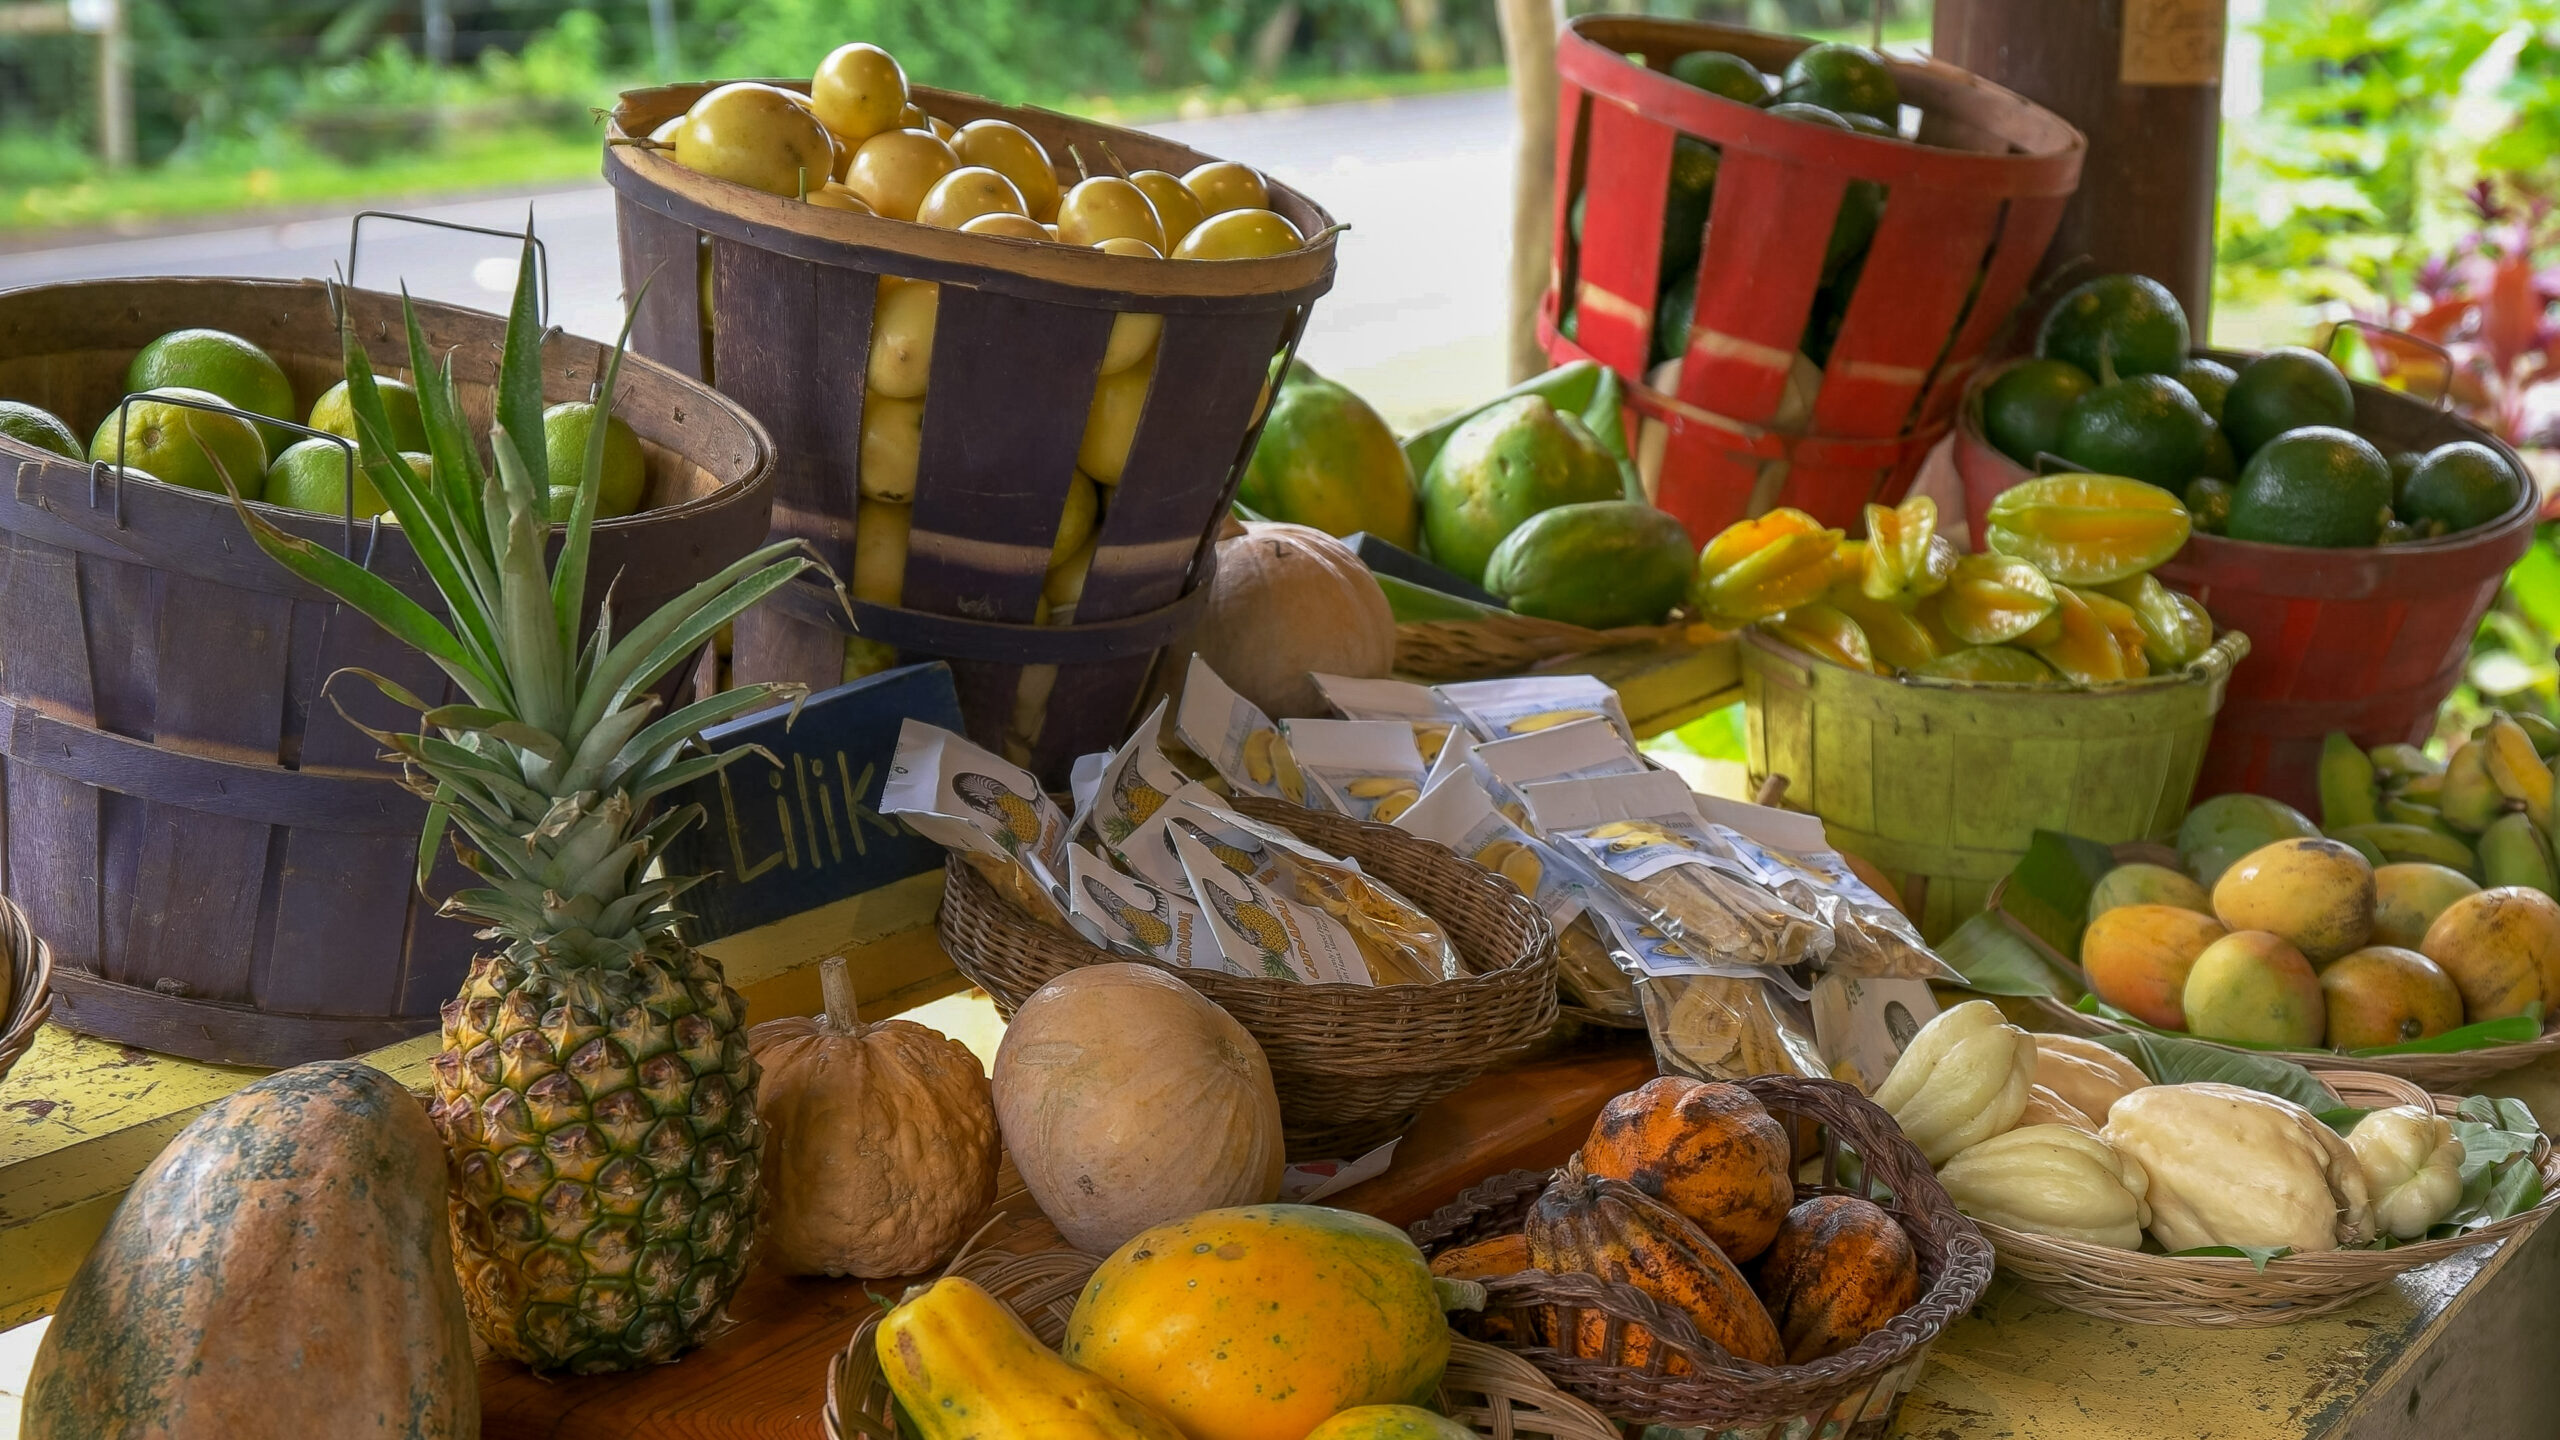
x,y
1529,43
104,19
2143,80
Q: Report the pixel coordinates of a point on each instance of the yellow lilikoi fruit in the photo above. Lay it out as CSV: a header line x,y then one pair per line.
x,y
1759,568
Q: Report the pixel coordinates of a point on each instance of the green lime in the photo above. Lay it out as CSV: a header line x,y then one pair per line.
x,y
2208,381
223,364
311,475
1866,124
2131,320
182,445
1719,73
563,499
2315,485
399,405
28,425
1843,78
2022,410
565,427
2147,427
1684,211
2209,503
2218,462
2464,484
1809,113
2284,390
2398,532
2404,463
1673,314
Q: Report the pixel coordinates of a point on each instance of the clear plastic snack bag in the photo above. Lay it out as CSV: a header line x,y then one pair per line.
x,y
1366,769
991,813
1523,704
1236,738
1580,750
1870,936
1260,931
1432,718
1134,781
1642,836
1711,1019
1459,813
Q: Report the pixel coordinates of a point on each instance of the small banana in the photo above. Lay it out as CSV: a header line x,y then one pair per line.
x,y
1547,720
2398,811
2403,843
2518,770
1285,771
1372,787
2471,799
2513,851
1257,755
2348,791
1430,740
2397,764
2546,734
2426,789
1393,804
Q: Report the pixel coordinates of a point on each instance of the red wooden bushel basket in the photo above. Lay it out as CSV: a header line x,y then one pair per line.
x,y
1967,216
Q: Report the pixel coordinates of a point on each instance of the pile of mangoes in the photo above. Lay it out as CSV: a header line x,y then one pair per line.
x,y
2062,596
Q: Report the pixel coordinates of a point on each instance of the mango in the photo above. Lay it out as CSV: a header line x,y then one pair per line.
x,y
2137,958
2147,885
2254,987
2502,948
2226,827
2387,995
2317,894
2408,897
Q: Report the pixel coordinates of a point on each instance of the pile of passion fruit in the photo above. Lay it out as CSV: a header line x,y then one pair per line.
x,y
857,141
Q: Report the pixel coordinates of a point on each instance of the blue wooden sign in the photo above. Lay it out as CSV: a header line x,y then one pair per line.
x,y
804,829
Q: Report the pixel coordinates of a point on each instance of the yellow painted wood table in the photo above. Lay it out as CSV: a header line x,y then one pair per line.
x,y
2454,1350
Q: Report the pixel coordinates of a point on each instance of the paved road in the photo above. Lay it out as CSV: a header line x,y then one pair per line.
x,y
1414,320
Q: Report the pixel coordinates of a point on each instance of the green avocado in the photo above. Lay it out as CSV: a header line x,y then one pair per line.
x,y
1505,464
1600,564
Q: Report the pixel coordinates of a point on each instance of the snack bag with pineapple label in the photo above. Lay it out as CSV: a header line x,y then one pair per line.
x,y
990,813
1121,912
1236,738
1260,932
1642,835
1132,785
1366,769
1580,750
1865,1024
1084,781
1870,936
1523,704
1459,813
1432,718
1196,810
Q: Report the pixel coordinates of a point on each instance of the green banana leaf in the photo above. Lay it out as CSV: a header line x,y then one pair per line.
x,y
1409,602
2481,1035
2173,1060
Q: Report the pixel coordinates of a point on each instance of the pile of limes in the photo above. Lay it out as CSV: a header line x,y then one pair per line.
x,y
2266,452
234,385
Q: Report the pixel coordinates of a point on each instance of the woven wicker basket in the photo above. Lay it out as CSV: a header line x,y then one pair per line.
x,y
2206,1293
30,996
1439,651
1851,1395
1354,1063
1495,1394
2456,1072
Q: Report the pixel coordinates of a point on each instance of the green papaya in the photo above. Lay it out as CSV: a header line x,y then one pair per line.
x,y
1601,564
1326,459
1504,465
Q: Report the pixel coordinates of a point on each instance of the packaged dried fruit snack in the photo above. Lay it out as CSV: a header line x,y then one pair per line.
x,y
1236,738
1121,912
1366,769
1432,718
1709,1019
1260,932
1577,751
1133,781
992,814
1521,704
1789,854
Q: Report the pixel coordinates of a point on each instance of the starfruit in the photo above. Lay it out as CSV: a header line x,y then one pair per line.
x,y
1897,638
1905,558
2087,529
1763,567
2087,653
1993,598
1825,633
1990,665
2175,628
2121,623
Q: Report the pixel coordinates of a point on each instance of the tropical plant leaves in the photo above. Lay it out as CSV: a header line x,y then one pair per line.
x,y
2169,1060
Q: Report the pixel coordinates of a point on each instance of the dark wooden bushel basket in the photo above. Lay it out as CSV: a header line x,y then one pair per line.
x,y
1018,346
221,863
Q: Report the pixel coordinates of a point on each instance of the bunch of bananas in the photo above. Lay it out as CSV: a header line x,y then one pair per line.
x,y
2485,811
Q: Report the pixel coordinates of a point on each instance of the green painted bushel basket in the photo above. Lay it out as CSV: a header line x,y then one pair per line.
x,y
1940,783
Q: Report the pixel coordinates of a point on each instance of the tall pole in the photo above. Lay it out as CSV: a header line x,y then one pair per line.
x,y
436,19
1529,42
662,38
115,89
2143,80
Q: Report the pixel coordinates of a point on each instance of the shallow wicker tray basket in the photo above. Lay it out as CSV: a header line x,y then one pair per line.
x,y
1850,1396
29,963
1353,1063
2209,1293
1495,1394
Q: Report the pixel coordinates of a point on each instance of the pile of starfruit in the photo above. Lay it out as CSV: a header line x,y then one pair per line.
x,y
2063,595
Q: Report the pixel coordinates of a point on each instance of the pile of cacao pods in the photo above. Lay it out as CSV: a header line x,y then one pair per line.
x,y
2062,594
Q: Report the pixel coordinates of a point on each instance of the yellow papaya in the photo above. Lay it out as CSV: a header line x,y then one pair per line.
x,y
1763,567
1991,599
2086,653
1823,632
1390,1422
966,1368
2087,529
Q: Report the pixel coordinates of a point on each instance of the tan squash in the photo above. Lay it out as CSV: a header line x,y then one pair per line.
x,y
1128,1100
1289,600
880,1146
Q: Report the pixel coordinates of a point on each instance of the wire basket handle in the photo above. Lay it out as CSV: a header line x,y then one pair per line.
x,y
541,254
99,469
2444,390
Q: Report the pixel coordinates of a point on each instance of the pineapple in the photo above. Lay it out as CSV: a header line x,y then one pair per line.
x,y
594,1087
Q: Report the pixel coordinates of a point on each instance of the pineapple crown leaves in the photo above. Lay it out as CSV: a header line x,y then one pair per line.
x,y
546,770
